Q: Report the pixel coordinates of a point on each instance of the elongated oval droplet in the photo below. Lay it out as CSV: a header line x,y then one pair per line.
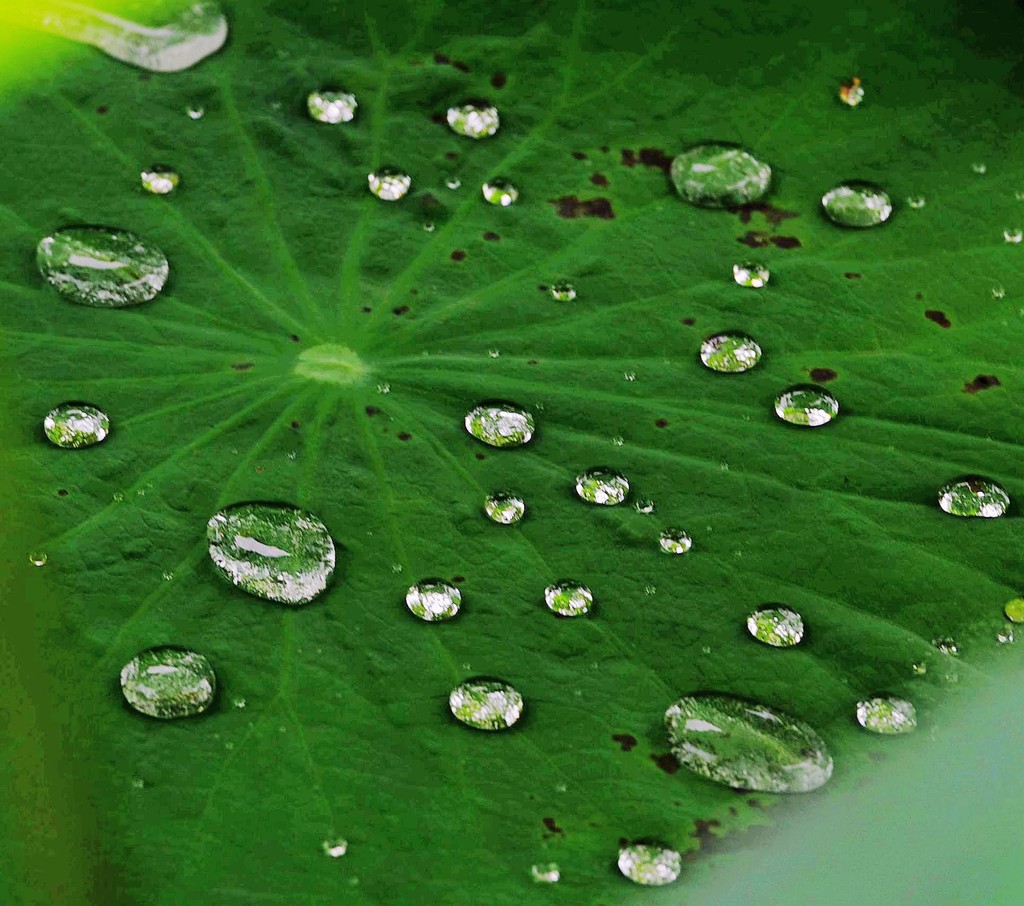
x,y
857,204
331,106
568,598
279,553
486,704
433,600
746,745
887,715
650,864
719,175
76,425
973,495
168,682
500,192
779,627
602,486
476,119
730,353
751,275
160,179
674,541
505,509
500,424
806,405
389,183
102,266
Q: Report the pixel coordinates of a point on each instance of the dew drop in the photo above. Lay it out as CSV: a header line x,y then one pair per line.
x,y
720,175
1014,610
473,120
973,496
453,183
751,274
195,112
545,873
500,424
779,627
629,376
946,645
239,704
168,682
674,541
336,847
806,405
618,440
160,179
505,509
650,590
919,668
500,192
998,292
650,864
331,106
602,486
276,552
101,266
389,183
857,204
38,558
1013,235
979,168
428,227
851,93
644,506
730,353
73,426
887,715
486,704
916,201
384,387
433,600
568,599
563,291
1004,635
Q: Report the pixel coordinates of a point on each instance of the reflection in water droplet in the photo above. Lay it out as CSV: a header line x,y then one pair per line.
x,y
979,168
644,506
428,227
919,668
1014,610
1004,635
335,847
384,387
37,558
629,376
239,704
168,682
857,204
102,267
602,486
500,424
453,183
750,274
998,292
973,496
486,704
500,192
674,541
331,106
851,93
650,864
720,175
433,600
494,353
806,405
1013,235
563,291
195,112
76,425
279,553
160,179
730,353
946,645
545,873
916,201
568,599
746,745
473,120
505,509
779,627
887,715
389,183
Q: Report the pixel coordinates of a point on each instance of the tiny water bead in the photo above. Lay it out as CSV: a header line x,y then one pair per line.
x,y
998,292
746,745
505,509
168,682
674,541
946,645
331,106
500,424
979,168
500,192
38,558
644,506
102,266
1013,235
751,274
453,183
973,496
887,715
389,183
730,353
433,600
807,405
857,204
602,486
335,848
779,627
1014,610
73,426
851,93
718,175
568,599
916,201
650,864
473,119
272,551
1004,635
563,291
195,112
160,179
486,704
545,873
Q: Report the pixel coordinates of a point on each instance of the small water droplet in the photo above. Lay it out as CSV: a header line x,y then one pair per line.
x,y
1004,635
486,704
167,575
72,426
1014,610
102,267
500,192
563,291
428,227
650,864
629,375
751,274
138,783
160,179
37,558
336,847
568,598
453,183
505,509
851,93
239,703
674,541
168,682
473,120
946,645
433,600
730,353
705,649
887,715
919,668
973,496
1019,195
396,567
494,353
998,292
195,111
1014,235
384,387
916,201
779,627
545,873
331,106
500,424
806,405
389,183
602,486
857,204
644,506
719,175
979,168
118,497
650,590
618,440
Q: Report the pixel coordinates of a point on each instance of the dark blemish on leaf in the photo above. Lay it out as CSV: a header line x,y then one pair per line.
x,y
258,470
404,435
458,580
981,382
532,362
452,155
458,255
661,423
414,292
626,740
852,276
785,242
628,158
460,66
823,375
654,157
550,824
939,317
732,811
543,287
605,149
62,492
366,309
491,237
754,803
579,155
242,366
401,310
599,179
439,119
702,830
689,322
772,214
481,456
756,239
296,425
294,338
919,295
571,207
103,108
441,59
666,762
372,410
498,80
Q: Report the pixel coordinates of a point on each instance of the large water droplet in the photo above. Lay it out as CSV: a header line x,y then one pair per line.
x,y
857,204
101,266
806,405
500,424
331,106
674,541
505,509
751,274
1014,610
279,553
168,682
76,425
650,864
545,873
389,183
602,486
160,179
568,599
433,600
887,715
563,291
973,496
474,120
779,627
730,353
486,704
720,175
500,192
746,745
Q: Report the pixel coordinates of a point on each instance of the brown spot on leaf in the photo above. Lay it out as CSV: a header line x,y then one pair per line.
x,y
689,322
458,580
852,276
785,242
372,410
666,762
401,310
626,740
458,255
599,179
242,366
823,375
532,362
579,155
939,317
981,382
441,59
628,158
702,830
294,338
103,108
366,309
661,423
754,803
756,239
258,470
439,119
296,424
460,66
772,214
498,80
404,435
491,236
550,824
62,492
481,456
571,207
451,155
654,157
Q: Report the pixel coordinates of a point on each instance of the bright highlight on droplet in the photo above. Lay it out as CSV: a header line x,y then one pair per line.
x,y
505,509
751,275
674,541
563,291
335,848
730,353
500,424
500,192
851,93
545,873
857,204
779,627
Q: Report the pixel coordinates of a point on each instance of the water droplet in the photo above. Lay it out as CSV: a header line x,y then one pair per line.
x,y
384,387
746,745
1004,635
730,353
494,353
389,183
168,682
650,590
946,645
979,168
998,292
650,864
239,703
1014,235
102,267
629,376
857,204
433,600
644,506
806,405
37,558
1014,610
563,291
779,627
137,783
500,192
568,599
276,552
453,183
887,715
919,668
675,541
705,649
160,179
486,704
505,509
76,425
474,120
602,486
916,201
195,111
500,424
428,227
720,175
751,274
545,873
331,106
336,847
618,440
973,496
851,93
